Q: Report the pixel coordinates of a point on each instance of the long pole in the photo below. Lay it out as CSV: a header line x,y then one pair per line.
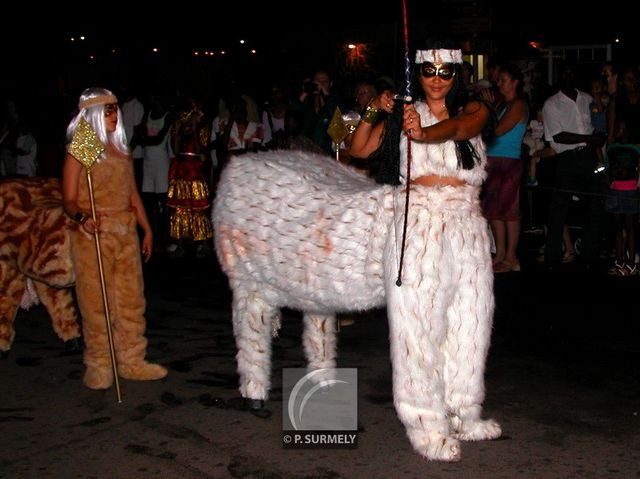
x,y
103,287
407,61
407,74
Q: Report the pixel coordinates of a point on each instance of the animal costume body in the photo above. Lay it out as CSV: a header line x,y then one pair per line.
x,y
35,257
299,230
289,226
112,183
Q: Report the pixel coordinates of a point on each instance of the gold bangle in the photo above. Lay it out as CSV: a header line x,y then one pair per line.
x,y
370,114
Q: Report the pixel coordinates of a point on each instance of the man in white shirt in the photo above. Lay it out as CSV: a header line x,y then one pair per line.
x,y
568,129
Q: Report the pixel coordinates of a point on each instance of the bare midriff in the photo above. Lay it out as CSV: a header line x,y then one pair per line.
x,y
436,180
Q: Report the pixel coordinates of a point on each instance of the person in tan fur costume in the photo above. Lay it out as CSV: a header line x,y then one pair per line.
x,y
119,209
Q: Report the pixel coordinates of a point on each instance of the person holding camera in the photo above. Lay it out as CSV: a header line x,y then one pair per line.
x,y
318,105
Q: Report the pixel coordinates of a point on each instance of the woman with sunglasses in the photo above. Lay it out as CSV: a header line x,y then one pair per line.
x,y
440,317
120,210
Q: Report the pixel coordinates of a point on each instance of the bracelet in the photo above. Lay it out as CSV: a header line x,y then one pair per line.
x,y
370,114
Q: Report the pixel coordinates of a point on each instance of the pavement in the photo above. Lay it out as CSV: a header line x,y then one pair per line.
x,y
562,379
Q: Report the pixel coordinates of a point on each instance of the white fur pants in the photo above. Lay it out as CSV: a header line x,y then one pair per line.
x,y
440,318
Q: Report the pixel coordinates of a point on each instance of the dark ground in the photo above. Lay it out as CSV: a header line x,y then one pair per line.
x,y
562,379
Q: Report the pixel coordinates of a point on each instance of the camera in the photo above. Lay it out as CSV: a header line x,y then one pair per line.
x,y
309,86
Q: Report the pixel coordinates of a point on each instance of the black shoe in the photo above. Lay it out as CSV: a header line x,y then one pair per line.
x,y
255,404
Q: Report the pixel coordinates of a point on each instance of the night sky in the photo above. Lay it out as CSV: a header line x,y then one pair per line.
x,y
40,48
214,23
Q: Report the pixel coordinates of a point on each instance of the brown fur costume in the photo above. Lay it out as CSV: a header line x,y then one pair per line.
x,y
112,183
34,245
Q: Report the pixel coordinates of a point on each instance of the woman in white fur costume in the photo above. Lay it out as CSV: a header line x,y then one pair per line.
x,y
299,230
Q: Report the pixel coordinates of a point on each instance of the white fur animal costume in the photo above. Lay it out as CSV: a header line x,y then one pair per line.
x,y
296,229
300,230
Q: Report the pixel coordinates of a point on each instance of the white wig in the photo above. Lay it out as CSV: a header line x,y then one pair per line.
x,y
91,108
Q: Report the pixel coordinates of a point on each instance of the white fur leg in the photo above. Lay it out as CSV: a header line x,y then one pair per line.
x,y
469,331
319,341
467,425
475,429
252,321
434,445
417,330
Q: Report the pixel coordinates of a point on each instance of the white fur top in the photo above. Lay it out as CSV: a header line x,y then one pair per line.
x,y
440,158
